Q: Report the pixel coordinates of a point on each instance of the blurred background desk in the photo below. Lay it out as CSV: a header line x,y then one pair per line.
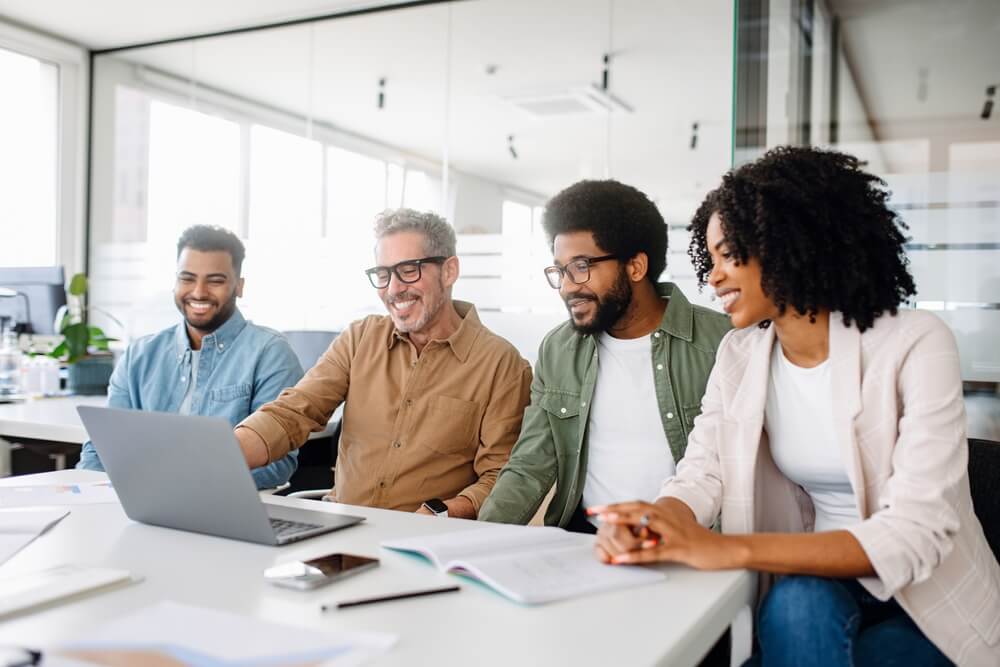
x,y
44,434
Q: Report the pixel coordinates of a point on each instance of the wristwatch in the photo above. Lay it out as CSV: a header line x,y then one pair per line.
x,y
436,507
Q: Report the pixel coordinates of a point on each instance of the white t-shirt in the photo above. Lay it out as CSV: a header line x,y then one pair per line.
x,y
185,408
628,456
799,423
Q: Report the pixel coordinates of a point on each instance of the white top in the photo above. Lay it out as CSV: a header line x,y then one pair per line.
x,y
799,423
628,456
192,383
672,622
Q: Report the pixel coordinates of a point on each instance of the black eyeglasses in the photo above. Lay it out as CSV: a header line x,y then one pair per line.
x,y
407,271
578,270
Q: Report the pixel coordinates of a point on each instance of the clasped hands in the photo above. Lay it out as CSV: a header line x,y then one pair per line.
x,y
640,532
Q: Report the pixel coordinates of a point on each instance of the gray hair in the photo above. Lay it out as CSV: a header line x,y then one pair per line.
x,y
439,236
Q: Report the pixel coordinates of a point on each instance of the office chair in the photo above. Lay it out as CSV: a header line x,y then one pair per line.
x,y
308,346
984,480
320,457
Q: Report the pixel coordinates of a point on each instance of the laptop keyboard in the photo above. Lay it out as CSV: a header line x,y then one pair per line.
x,y
283,528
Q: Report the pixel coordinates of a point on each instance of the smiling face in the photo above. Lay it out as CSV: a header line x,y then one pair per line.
x,y
414,307
736,284
206,289
599,303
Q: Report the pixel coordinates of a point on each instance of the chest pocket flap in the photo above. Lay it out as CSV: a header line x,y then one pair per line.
x,y
562,406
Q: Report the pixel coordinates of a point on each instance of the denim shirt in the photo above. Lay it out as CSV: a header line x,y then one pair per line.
x,y
241,367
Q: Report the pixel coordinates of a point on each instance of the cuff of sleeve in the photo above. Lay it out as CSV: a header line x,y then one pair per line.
x,y
476,495
274,436
699,504
884,585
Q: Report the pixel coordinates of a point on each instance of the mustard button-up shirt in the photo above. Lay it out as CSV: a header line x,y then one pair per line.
x,y
438,425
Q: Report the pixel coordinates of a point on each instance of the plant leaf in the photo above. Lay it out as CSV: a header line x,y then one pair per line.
x,y
78,284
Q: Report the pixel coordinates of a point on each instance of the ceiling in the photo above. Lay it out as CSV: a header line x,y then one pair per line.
x,y
922,66
672,64
101,24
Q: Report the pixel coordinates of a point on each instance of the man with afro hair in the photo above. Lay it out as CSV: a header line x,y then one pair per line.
x,y
617,387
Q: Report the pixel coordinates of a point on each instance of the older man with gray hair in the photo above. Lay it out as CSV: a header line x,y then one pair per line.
x,y
433,400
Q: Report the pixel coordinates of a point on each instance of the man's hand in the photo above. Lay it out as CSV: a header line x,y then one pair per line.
x,y
253,447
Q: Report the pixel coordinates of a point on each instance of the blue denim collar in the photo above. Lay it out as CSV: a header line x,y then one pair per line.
x,y
221,338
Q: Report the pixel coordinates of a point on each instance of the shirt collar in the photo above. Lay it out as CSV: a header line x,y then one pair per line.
x,y
678,320
223,336
461,341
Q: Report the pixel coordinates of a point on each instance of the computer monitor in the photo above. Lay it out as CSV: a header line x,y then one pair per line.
x,y
44,290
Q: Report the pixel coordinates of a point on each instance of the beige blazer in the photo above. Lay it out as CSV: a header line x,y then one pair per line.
x,y
900,417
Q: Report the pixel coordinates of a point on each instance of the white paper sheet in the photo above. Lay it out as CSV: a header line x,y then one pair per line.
x,y
61,495
209,638
18,527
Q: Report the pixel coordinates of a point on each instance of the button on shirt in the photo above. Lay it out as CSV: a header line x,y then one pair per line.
x,y
437,425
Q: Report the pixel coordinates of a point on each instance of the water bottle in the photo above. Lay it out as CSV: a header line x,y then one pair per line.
x,y
10,364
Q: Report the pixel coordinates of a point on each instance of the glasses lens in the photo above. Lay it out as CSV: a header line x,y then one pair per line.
x,y
408,273
554,276
579,271
379,277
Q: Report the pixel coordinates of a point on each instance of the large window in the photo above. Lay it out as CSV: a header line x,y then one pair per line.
x,y
28,161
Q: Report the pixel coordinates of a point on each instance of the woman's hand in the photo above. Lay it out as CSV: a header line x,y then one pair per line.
x,y
639,532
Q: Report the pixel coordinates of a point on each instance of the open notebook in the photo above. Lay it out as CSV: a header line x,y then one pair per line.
x,y
527,565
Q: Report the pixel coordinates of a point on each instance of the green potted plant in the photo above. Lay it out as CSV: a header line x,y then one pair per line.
x,y
84,346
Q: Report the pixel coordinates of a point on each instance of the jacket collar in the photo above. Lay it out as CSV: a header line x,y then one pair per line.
x,y
845,359
462,340
222,337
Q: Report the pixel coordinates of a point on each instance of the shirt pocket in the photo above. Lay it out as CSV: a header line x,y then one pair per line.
x,y
561,406
453,424
231,401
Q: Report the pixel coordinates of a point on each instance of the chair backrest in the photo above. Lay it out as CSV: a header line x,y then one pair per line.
x,y
984,479
308,346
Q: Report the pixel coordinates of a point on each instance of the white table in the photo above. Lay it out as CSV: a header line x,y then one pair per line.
x,y
671,623
52,419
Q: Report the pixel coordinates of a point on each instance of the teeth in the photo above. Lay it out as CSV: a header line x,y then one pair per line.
x,y
403,305
728,298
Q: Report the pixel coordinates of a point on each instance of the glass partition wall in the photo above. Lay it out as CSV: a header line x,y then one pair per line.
x,y
909,88
296,137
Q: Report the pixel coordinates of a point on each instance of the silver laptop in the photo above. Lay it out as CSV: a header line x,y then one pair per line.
x,y
188,472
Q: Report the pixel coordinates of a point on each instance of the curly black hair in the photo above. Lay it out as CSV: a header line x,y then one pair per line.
x,y
622,219
820,228
209,238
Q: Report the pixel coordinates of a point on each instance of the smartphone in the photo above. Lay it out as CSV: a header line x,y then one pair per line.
x,y
305,575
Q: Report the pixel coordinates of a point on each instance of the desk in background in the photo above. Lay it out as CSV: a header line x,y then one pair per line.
x,y
52,427
671,623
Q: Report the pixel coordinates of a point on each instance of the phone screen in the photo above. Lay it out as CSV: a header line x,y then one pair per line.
x,y
318,571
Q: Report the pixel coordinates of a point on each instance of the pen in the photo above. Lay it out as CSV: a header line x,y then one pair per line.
x,y
387,598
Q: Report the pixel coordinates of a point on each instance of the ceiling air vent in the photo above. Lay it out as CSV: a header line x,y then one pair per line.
x,y
575,100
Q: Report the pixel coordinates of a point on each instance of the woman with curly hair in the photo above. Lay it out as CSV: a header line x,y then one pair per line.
x,y
832,434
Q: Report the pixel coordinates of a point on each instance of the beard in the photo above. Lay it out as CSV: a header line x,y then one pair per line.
x,y
610,307
429,302
221,317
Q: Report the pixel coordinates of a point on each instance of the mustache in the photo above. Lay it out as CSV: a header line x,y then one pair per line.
x,y
580,297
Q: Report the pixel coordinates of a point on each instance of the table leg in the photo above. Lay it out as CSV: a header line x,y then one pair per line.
x,y
741,637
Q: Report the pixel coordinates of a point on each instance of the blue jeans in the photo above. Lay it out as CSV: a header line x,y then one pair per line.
x,y
806,621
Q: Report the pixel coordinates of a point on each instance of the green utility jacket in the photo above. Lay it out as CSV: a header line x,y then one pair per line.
x,y
552,447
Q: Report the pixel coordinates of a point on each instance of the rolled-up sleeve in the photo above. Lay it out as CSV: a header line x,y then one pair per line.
x,y
286,422
913,530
